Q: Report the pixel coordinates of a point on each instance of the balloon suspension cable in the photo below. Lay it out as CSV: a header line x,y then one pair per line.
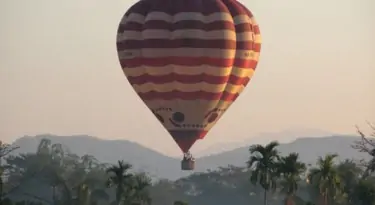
x,y
188,156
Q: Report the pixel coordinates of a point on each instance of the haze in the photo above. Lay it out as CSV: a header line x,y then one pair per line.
x,y
59,72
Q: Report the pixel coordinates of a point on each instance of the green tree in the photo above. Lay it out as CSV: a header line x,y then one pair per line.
x,y
165,191
81,180
290,169
326,178
5,149
180,203
140,190
53,169
350,175
364,193
67,174
263,161
120,178
83,195
366,144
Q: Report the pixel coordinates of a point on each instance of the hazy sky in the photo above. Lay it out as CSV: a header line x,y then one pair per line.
x,y
59,72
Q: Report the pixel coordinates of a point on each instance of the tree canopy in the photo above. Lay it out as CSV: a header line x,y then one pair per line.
x,y
53,175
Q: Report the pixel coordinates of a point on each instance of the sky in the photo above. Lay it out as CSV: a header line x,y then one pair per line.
x,y
59,72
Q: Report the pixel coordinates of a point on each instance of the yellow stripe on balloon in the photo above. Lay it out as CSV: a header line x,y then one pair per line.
x,y
202,86
187,70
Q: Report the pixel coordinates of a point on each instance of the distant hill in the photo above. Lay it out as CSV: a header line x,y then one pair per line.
x,y
284,136
309,150
161,166
109,151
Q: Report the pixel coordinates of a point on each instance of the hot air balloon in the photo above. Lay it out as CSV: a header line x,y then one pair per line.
x,y
188,60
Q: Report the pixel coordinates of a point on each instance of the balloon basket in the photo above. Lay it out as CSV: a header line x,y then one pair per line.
x,y
187,164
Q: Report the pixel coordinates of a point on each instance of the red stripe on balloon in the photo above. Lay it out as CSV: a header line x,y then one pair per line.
x,y
183,25
187,43
172,7
187,61
180,25
187,79
202,95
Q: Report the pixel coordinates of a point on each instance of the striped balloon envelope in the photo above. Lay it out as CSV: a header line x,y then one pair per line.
x,y
188,60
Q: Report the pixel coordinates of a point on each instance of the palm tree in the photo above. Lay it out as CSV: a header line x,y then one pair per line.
x,y
290,169
119,178
264,161
350,175
327,178
139,187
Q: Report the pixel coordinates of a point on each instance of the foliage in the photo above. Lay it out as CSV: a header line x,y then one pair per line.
x,y
290,170
325,176
263,162
366,144
5,149
53,175
364,193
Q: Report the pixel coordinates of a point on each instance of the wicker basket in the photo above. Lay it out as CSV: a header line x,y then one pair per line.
x,y
187,164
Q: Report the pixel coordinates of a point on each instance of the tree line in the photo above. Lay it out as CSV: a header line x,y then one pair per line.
x,y
55,176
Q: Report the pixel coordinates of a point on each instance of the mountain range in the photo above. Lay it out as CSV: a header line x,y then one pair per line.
x,y
161,166
283,136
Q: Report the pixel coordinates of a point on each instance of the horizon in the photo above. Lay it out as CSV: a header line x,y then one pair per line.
x,y
59,73
213,149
